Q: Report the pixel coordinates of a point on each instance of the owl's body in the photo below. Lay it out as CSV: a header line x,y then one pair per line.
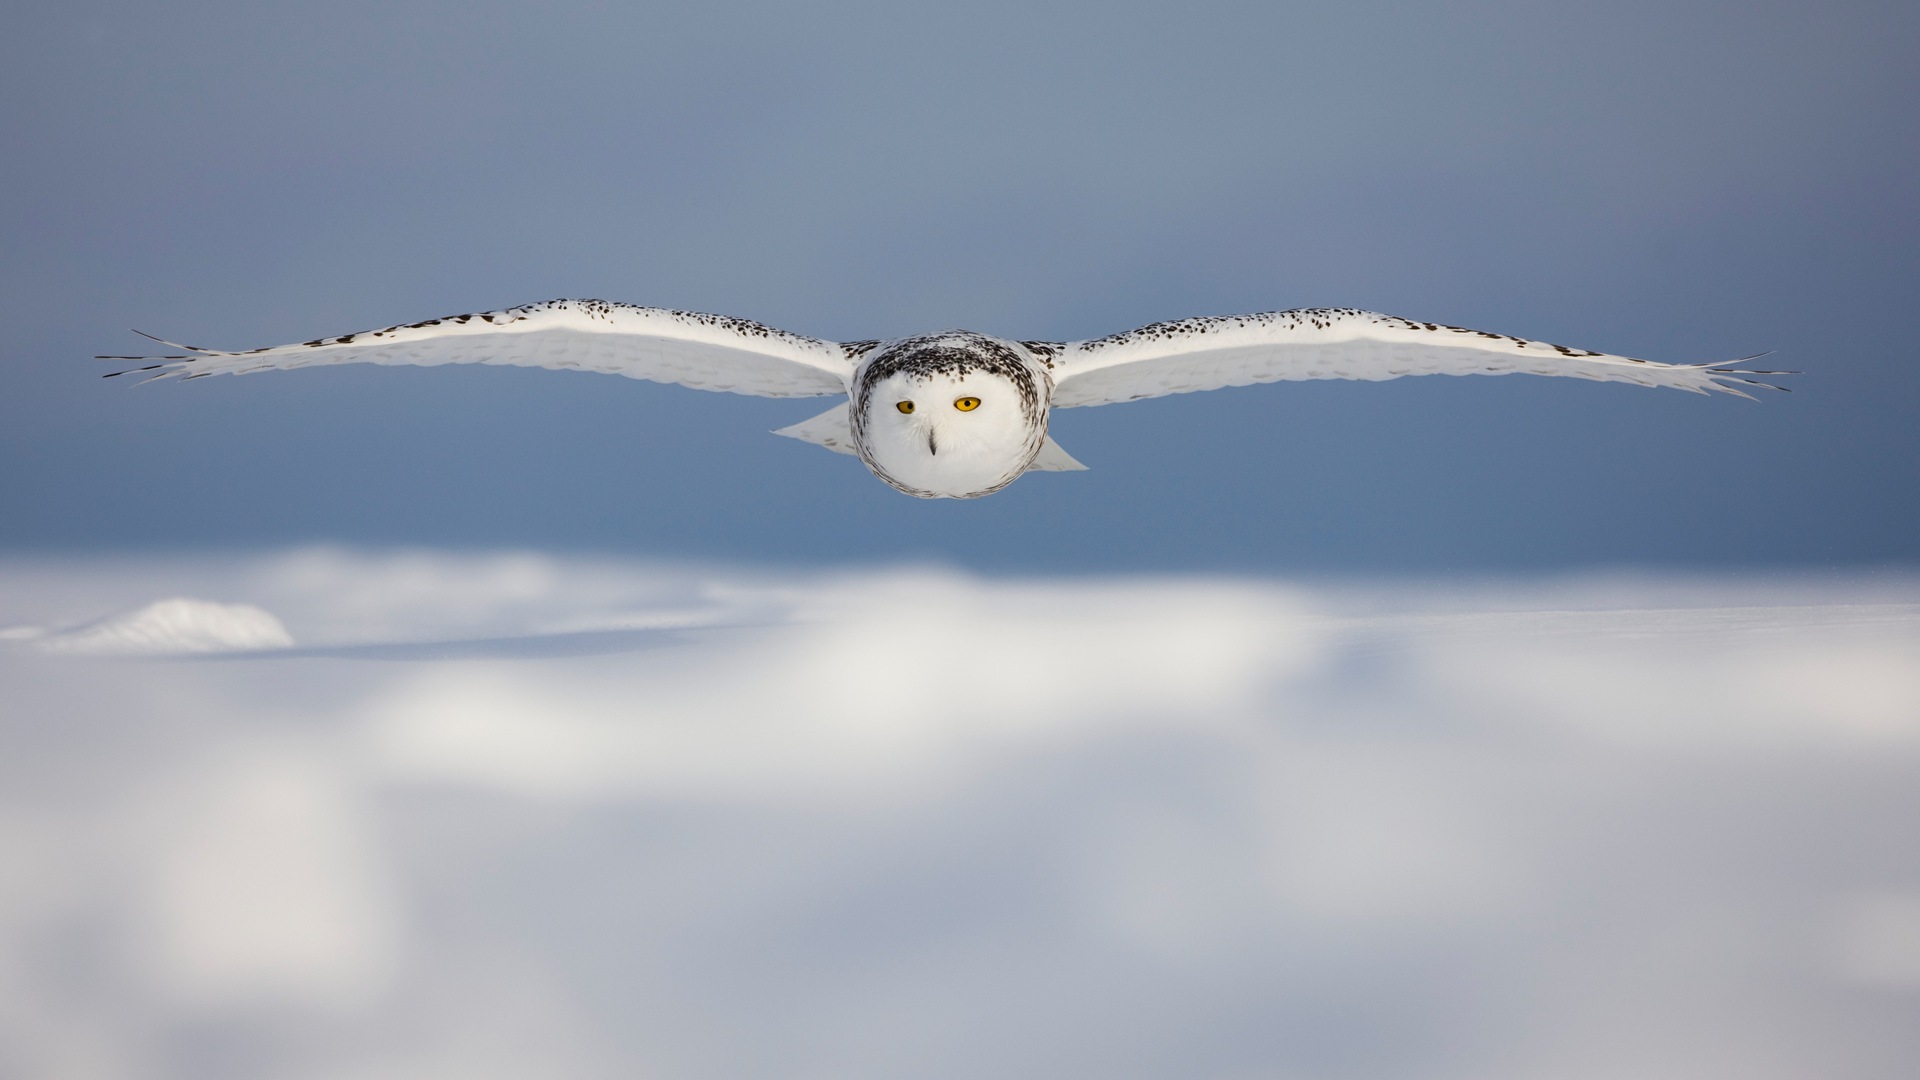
x,y
955,414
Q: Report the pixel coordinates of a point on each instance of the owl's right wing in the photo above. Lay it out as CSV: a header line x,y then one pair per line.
x,y
706,352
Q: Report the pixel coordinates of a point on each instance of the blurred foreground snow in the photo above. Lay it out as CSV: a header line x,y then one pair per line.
x,y
455,816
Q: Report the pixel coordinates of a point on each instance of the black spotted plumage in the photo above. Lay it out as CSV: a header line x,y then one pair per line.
x,y
735,355
952,354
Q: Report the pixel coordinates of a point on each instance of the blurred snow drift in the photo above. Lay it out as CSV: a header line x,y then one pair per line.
x,y
521,816
179,625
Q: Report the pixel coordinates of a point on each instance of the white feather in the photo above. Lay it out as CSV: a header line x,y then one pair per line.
x,y
1054,458
830,429
706,352
1334,343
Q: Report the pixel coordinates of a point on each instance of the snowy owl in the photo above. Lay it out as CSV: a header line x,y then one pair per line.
x,y
956,414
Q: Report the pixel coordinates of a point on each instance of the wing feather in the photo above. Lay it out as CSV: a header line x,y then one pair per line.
x,y
1336,343
706,352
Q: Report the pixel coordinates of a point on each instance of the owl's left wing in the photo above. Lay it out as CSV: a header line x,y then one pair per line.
x,y
706,352
1334,343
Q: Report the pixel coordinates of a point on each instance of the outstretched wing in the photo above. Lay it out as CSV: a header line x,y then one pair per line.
x,y
1334,343
707,352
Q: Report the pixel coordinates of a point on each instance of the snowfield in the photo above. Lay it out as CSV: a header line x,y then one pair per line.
x,y
334,814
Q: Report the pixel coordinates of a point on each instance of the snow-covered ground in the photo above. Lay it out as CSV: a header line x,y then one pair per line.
x,y
327,814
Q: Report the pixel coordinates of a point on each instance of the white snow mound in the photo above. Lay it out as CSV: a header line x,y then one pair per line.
x,y
179,625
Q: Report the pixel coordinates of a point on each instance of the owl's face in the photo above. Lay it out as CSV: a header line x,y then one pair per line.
x,y
953,434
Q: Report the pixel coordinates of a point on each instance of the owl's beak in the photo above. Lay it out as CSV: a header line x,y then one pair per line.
x,y
933,444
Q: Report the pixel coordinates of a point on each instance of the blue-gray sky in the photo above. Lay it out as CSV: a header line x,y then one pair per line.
x,y
1683,182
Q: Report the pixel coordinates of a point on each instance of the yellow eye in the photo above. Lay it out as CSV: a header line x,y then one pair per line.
x,y
967,404
905,406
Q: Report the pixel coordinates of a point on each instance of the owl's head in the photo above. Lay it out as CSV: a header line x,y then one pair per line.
x,y
944,420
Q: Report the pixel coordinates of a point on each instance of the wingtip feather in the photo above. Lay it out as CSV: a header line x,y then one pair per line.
x,y
172,344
